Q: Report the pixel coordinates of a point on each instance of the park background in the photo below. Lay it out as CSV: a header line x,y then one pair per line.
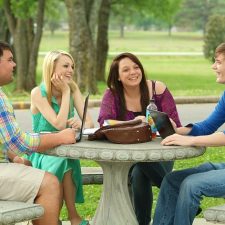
x,y
174,40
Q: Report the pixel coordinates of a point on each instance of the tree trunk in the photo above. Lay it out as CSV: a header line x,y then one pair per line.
x,y
102,39
35,41
26,44
22,53
170,26
121,30
4,30
82,46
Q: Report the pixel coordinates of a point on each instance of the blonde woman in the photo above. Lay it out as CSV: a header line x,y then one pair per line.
x,y
53,105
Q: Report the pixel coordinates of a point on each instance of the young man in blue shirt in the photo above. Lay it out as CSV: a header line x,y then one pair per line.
x,y
182,191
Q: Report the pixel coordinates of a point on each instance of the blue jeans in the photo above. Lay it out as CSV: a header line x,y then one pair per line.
x,y
182,191
143,176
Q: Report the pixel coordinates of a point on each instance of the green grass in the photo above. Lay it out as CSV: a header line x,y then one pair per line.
x,y
145,41
184,76
92,193
138,41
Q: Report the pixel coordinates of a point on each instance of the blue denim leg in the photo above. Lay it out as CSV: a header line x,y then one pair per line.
x,y
181,192
143,176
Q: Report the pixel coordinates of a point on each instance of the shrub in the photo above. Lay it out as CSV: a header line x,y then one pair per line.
x,y
214,35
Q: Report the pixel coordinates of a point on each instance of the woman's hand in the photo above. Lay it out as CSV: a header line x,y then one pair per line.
x,y
59,83
143,118
74,123
21,160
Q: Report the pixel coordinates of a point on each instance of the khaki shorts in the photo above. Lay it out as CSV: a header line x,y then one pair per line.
x,y
19,182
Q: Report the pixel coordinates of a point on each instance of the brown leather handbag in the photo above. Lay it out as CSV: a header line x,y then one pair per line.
x,y
127,132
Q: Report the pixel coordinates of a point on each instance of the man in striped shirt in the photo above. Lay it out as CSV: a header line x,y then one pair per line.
x,y
26,184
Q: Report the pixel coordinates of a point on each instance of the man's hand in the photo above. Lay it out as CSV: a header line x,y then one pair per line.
x,y
177,139
68,136
21,160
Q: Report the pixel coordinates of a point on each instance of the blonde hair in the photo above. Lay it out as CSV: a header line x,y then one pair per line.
x,y
48,70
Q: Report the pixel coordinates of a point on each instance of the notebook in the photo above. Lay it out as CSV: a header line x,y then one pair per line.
x,y
80,132
162,123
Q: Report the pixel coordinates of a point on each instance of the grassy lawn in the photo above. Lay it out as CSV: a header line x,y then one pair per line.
x,y
138,41
184,75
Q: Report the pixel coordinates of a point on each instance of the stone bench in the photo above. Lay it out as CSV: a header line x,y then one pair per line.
x,y
12,212
215,214
92,175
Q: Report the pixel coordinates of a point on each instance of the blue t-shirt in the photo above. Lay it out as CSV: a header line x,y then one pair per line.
x,y
213,122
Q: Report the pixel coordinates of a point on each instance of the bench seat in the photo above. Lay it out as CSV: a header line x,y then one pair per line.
x,y
215,214
92,175
12,212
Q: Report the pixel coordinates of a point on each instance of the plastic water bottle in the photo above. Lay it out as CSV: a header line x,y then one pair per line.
x,y
151,106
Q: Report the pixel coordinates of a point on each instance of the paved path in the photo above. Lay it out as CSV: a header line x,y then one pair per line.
x,y
188,113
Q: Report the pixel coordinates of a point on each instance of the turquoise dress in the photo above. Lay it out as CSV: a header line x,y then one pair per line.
x,y
56,165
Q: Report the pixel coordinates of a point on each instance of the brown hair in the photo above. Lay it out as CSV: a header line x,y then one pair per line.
x,y
117,87
4,46
220,49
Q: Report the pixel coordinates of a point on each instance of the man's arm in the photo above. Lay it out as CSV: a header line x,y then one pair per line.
x,y
13,157
14,139
52,140
215,139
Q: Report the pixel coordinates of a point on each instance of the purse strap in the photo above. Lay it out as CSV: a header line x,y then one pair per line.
x,y
123,124
153,89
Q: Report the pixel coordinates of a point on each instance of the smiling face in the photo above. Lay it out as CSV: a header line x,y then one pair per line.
x,y
64,66
129,73
7,66
219,68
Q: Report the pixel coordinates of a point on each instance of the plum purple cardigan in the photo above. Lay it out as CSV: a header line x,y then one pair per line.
x,y
109,108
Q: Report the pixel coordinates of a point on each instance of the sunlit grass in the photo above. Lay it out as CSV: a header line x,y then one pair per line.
x,y
184,75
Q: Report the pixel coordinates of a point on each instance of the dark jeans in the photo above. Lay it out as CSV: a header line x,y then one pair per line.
x,y
143,176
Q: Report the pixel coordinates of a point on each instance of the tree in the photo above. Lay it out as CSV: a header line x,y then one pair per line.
x,y
195,14
102,45
55,15
88,34
82,38
121,12
26,31
167,11
4,30
125,12
214,35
